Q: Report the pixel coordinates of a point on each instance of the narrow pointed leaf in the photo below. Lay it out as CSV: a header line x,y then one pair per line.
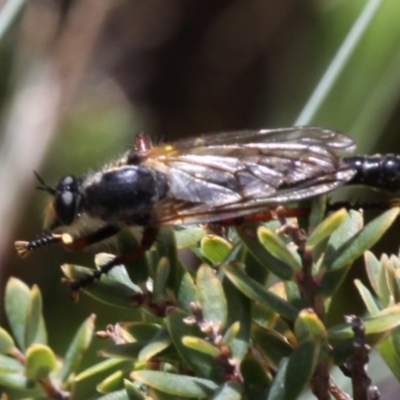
x,y
381,322
159,342
257,292
248,235
362,241
300,368
373,268
201,345
368,299
239,309
325,228
102,369
112,383
177,385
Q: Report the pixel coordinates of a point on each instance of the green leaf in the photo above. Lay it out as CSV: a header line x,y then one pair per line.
x,y
186,292
102,369
231,333
362,241
392,280
248,235
381,322
309,327
295,373
257,292
229,391
78,346
115,288
201,345
273,243
189,236
345,246
211,296
202,364
140,330
112,383
369,301
133,392
300,368
326,227
389,349
374,270
117,395
35,325
17,299
85,383
239,309
128,351
6,342
256,379
10,364
215,248
177,385
273,346
15,381
160,280
40,361
159,342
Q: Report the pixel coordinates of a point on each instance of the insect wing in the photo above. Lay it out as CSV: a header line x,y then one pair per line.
x,y
211,178
328,138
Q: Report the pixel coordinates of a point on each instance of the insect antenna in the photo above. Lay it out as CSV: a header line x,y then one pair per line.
x,y
44,186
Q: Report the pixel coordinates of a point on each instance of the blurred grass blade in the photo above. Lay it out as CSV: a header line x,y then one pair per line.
x,y
9,14
338,63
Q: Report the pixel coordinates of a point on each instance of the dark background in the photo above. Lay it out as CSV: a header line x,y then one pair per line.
x,y
80,78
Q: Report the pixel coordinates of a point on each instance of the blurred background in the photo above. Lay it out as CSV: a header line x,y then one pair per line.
x,y
80,77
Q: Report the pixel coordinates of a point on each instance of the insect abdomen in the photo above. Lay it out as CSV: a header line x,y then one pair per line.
x,y
380,171
123,193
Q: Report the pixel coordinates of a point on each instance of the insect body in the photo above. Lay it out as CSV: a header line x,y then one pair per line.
x,y
379,171
209,179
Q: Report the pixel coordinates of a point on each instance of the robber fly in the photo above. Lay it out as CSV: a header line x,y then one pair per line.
x,y
208,179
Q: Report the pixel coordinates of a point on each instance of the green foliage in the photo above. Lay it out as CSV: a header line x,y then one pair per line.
x,y
215,332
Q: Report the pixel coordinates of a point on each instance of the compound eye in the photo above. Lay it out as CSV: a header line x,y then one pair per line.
x,y
66,206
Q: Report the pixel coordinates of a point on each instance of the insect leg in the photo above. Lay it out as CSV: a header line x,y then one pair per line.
x,y
71,243
148,238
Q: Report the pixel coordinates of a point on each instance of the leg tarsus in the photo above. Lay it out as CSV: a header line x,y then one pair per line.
x,y
149,237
